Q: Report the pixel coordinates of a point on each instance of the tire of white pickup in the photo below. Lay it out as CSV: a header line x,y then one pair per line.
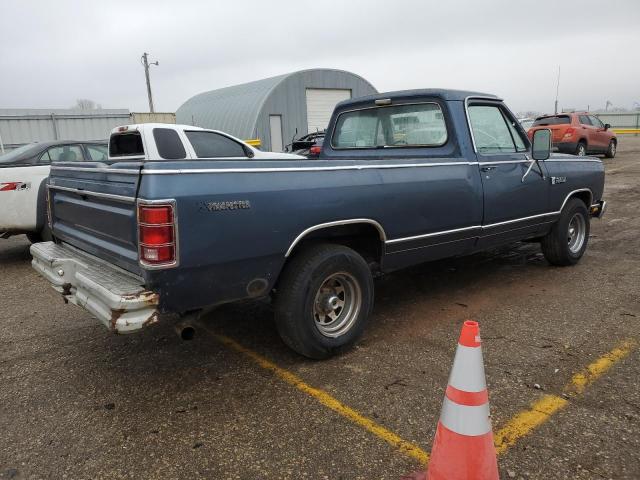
x,y
323,300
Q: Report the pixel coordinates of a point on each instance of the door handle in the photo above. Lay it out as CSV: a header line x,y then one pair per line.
x,y
488,168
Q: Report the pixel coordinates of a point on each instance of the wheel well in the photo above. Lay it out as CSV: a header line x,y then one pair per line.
x,y
583,140
585,196
364,238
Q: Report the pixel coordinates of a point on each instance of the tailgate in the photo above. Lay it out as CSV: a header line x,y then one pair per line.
x,y
93,207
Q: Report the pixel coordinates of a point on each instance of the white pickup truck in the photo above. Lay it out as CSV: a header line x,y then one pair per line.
x,y
22,183
23,171
150,141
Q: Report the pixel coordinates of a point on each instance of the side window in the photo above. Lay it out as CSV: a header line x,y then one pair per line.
x,y
66,153
214,145
584,120
595,121
169,144
45,158
415,125
97,153
517,138
490,130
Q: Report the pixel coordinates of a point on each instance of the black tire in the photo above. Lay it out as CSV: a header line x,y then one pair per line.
x,y
299,298
557,245
611,149
581,148
43,235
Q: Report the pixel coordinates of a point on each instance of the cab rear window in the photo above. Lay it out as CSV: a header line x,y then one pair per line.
x,y
553,120
126,145
412,125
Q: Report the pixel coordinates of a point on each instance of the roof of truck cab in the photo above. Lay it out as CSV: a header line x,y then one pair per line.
x,y
445,94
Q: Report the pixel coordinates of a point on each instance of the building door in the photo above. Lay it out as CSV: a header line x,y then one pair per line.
x,y
275,129
320,105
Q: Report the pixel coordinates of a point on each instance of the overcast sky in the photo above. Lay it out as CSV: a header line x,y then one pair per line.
x,y
53,52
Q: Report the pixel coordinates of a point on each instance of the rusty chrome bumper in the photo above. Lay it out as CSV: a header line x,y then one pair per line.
x,y
116,297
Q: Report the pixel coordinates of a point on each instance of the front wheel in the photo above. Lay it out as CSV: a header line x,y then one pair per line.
x,y
567,241
323,300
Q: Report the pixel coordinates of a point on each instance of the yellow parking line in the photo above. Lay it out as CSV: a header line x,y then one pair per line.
x,y
541,410
328,401
521,425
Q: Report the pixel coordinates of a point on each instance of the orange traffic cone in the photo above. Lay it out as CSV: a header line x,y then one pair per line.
x,y
463,446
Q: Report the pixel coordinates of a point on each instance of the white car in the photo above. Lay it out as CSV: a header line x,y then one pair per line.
x,y
22,183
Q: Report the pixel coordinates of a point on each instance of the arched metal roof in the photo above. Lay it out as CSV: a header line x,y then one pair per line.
x,y
236,109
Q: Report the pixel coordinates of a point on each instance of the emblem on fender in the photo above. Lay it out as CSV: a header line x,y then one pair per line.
x,y
556,180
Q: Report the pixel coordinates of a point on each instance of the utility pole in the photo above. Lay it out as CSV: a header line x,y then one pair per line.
x,y
146,65
557,90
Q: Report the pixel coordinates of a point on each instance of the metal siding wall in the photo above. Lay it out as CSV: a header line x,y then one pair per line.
x,y
18,127
289,100
621,119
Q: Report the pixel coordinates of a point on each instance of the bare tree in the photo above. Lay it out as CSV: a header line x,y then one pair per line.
x,y
86,104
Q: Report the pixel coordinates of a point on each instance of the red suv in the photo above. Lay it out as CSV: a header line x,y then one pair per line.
x,y
578,133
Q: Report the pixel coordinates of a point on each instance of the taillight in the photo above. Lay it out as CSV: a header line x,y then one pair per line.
x,y
315,150
569,131
157,234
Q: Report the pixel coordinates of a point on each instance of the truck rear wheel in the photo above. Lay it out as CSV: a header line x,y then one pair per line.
x,y
567,241
323,300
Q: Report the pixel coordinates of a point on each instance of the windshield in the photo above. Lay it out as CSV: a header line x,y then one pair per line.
x,y
16,154
555,120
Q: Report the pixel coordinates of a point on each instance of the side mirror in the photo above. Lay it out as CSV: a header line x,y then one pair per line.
x,y
607,126
541,144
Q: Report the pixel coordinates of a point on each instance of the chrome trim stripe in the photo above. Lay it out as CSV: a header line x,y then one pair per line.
x,y
560,160
381,232
304,169
110,196
98,170
566,199
524,160
523,219
434,234
492,225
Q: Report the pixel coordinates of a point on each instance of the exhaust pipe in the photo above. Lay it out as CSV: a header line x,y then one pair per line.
x,y
185,330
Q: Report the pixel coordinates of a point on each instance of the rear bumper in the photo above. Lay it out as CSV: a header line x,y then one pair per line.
x,y
116,297
565,147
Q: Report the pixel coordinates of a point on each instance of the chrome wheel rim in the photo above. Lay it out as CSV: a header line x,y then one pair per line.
x,y
612,148
337,304
576,233
582,151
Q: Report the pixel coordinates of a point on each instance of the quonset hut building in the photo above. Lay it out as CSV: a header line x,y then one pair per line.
x,y
273,108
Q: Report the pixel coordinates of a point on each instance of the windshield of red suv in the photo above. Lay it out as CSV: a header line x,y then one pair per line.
x,y
553,120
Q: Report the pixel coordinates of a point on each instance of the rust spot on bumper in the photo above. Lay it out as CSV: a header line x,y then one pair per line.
x,y
150,298
115,315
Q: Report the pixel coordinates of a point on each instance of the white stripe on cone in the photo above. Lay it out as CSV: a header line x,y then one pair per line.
x,y
465,420
467,373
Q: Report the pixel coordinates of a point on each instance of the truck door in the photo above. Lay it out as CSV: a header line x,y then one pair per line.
x,y
515,202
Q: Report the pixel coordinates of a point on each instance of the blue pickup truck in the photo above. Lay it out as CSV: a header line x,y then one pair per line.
x,y
165,226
